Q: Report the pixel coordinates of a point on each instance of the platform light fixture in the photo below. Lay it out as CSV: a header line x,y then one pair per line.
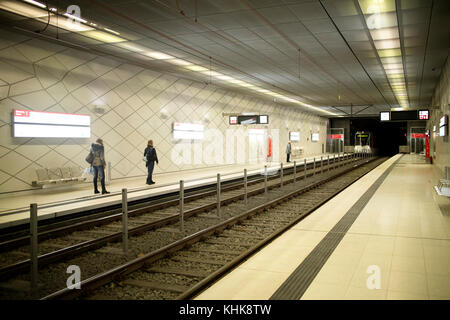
x,y
158,55
102,36
196,68
71,16
112,31
180,62
36,3
130,46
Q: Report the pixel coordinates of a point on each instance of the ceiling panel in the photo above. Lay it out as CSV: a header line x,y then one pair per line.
x,y
258,40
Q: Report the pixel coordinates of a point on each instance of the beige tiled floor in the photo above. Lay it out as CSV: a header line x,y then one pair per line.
x,y
62,198
401,231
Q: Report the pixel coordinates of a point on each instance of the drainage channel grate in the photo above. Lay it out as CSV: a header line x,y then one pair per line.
x,y
298,282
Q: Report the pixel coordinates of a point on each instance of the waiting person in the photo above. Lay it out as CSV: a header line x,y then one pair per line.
x,y
151,157
288,151
99,164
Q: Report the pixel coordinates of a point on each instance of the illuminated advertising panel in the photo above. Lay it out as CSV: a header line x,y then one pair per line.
x,y
187,131
315,137
294,136
38,124
443,121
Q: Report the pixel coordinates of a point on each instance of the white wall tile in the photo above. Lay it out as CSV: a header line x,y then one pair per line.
x,y
139,105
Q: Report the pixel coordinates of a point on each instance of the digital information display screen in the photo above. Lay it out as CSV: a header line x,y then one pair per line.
x,y
39,124
249,119
404,115
385,116
443,131
294,136
315,137
424,114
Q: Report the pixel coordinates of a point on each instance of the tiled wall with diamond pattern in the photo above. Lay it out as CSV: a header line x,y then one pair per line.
x,y
138,104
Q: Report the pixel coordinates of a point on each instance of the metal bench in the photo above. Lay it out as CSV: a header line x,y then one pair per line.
x,y
54,176
443,188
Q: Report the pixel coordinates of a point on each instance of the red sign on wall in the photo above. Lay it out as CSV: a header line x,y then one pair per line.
x,y
337,136
417,135
427,147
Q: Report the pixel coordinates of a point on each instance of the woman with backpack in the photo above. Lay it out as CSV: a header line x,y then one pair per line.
x,y
97,160
150,157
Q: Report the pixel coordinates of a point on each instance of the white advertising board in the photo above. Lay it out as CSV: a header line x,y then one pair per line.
x,y
38,124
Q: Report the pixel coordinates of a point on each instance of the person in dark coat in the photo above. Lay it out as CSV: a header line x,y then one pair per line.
x,y
151,157
288,151
99,164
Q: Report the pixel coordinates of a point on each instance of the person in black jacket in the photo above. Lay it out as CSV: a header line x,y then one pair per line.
x,y
151,157
99,164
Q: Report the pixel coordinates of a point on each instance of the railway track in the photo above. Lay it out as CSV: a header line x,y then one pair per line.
x,y
112,255
184,267
68,241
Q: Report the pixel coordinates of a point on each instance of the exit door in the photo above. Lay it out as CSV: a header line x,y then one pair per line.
x,y
417,144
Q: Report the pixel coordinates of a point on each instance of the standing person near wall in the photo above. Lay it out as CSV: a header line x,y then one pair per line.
x,y
99,164
151,157
288,151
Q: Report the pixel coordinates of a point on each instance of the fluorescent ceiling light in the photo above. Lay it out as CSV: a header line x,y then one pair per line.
x,y
103,36
389,60
23,9
112,31
387,44
390,66
395,76
67,24
180,62
389,53
130,46
36,3
394,71
225,78
245,84
376,6
384,34
196,68
212,73
158,55
74,17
